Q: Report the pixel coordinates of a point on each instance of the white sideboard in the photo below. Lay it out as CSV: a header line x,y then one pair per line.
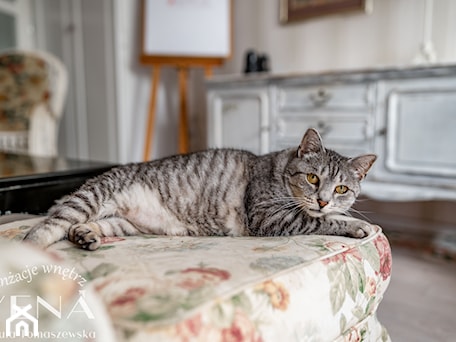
x,y
407,116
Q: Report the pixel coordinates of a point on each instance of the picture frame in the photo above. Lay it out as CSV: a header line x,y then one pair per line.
x,y
296,10
187,40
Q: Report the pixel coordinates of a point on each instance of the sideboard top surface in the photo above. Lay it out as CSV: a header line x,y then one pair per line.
x,y
348,75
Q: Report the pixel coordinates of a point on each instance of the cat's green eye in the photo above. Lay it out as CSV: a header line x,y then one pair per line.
x,y
312,178
341,189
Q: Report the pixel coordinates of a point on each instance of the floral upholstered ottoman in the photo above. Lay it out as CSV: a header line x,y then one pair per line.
x,y
157,288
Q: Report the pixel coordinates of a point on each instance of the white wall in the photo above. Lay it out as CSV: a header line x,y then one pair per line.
x,y
390,36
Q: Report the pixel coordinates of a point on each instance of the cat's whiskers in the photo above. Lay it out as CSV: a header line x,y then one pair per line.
x,y
273,201
291,209
344,212
289,206
341,211
360,213
283,205
306,203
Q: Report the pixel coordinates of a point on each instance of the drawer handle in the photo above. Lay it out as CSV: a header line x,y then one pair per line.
x,y
229,107
320,97
323,128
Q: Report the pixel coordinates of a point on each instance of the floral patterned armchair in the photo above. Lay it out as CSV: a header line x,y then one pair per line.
x,y
33,87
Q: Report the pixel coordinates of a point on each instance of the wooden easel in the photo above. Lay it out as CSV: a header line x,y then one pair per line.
x,y
153,56
183,142
151,114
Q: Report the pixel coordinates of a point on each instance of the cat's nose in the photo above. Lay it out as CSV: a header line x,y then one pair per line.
x,y
322,203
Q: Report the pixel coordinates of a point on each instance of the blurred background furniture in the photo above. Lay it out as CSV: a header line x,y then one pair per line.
x,y
24,178
33,88
404,115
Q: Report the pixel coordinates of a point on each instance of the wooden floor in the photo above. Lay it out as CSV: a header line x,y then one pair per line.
x,y
420,302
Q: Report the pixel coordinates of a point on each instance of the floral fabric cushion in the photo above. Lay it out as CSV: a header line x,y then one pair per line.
x,y
24,83
299,288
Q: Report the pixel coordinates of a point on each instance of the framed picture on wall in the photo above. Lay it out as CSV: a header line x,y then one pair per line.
x,y
296,10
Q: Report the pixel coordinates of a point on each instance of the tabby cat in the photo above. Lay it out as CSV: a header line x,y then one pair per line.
x,y
215,192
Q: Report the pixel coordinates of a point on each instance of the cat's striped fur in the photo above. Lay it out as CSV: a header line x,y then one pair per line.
x,y
215,192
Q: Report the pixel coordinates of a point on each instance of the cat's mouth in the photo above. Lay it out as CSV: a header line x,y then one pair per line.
x,y
314,211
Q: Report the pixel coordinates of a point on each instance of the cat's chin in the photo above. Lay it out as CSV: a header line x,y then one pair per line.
x,y
315,213
321,212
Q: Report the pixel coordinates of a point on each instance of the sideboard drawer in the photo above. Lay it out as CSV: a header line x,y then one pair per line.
x,y
346,129
352,134
343,149
349,97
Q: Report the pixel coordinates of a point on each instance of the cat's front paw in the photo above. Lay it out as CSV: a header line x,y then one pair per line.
x,y
85,235
359,229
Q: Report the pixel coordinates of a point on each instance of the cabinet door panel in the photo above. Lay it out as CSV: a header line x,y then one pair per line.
x,y
241,123
422,132
239,119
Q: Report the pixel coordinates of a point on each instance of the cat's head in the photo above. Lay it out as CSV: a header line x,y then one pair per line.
x,y
323,181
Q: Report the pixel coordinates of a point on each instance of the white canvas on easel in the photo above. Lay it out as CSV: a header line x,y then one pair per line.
x,y
187,28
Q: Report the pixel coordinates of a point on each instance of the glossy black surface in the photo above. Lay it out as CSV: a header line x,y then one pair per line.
x,y
32,184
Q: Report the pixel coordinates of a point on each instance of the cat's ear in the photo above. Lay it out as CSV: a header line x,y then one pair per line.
x,y
310,143
362,164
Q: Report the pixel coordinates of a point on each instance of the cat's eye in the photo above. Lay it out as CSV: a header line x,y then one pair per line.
x,y
313,179
341,189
